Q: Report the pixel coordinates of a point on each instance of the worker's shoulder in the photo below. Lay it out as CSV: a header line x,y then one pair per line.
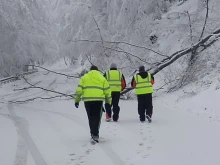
x,y
101,77
84,76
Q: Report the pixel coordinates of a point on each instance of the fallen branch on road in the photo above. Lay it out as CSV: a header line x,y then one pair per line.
x,y
52,91
54,71
32,99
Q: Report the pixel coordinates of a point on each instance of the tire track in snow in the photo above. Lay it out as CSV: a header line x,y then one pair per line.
x,y
107,149
20,123
22,152
87,149
25,141
66,139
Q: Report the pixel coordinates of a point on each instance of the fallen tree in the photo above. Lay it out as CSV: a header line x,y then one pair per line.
x,y
203,43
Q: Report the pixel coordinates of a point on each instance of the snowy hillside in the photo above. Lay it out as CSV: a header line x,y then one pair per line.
x,y
132,22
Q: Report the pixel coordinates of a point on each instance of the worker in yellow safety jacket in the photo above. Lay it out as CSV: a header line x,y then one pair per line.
x,y
93,89
117,84
143,84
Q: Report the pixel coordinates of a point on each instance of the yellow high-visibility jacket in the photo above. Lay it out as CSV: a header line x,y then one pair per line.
x,y
114,79
93,87
143,86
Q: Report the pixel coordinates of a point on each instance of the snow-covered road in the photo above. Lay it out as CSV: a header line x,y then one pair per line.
x,y
55,132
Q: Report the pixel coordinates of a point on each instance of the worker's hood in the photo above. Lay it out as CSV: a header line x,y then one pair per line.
x,y
143,74
95,76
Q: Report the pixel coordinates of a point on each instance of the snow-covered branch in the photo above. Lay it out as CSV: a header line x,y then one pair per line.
x,y
121,42
190,27
98,29
206,18
167,61
55,72
130,54
32,99
48,90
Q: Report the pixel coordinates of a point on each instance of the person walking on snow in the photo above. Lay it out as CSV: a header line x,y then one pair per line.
x,y
117,84
94,89
143,84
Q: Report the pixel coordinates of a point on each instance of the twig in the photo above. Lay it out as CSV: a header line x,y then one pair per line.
x,y
20,89
32,99
165,85
33,86
98,29
122,42
47,73
89,59
54,71
91,62
190,28
122,51
206,18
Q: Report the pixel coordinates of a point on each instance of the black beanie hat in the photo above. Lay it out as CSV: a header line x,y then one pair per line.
x,y
141,69
94,67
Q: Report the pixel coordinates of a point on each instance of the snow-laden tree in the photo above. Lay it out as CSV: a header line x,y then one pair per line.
x,y
25,34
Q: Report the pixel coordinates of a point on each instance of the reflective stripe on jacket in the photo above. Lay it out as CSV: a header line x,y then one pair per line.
x,y
143,86
114,79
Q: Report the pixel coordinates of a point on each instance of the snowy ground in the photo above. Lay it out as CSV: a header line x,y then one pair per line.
x,y
54,132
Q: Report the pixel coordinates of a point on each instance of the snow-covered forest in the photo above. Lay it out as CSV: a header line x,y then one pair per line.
x,y
176,40
44,31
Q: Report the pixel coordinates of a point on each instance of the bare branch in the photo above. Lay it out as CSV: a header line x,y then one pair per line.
x,y
166,62
89,59
32,99
33,86
206,18
47,73
26,88
121,42
122,51
190,27
165,85
98,28
54,71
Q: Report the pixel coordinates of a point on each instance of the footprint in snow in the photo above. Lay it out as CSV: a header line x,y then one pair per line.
x,y
145,156
149,148
141,144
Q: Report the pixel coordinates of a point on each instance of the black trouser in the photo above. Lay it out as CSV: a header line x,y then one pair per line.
x,y
116,108
94,112
145,106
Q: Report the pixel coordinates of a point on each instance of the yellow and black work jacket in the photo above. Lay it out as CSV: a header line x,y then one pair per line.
x,y
93,87
116,80
143,83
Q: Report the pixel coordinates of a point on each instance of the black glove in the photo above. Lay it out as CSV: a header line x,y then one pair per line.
x,y
76,105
